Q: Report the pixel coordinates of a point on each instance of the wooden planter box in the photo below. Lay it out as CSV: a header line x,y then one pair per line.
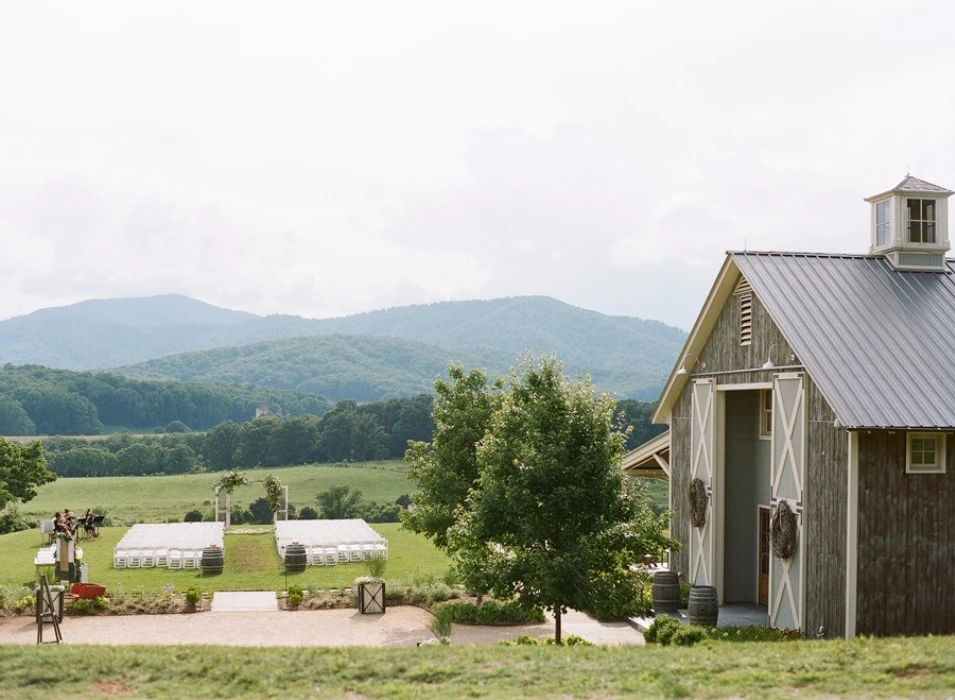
x,y
371,597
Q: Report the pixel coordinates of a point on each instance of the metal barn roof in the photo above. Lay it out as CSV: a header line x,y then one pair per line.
x,y
878,342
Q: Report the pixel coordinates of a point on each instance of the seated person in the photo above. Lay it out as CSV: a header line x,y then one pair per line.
x,y
69,520
59,523
89,523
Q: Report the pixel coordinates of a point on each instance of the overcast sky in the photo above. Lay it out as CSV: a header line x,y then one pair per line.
x,y
321,158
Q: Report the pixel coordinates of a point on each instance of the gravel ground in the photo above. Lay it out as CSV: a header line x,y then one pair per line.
x,y
400,626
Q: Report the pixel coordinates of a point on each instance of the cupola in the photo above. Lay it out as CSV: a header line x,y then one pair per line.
x,y
910,225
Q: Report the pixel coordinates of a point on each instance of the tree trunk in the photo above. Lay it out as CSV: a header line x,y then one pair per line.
x,y
557,626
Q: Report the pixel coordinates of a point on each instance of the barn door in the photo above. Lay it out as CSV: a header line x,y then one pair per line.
x,y
703,463
786,579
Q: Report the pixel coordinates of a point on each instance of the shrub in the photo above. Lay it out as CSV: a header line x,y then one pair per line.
x,y
687,636
492,612
193,596
571,640
308,513
441,623
295,595
193,516
662,629
685,587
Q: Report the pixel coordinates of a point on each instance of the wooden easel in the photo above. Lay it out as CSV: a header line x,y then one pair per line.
x,y
44,601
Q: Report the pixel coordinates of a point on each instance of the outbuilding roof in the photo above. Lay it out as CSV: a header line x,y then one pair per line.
x,y
911,184
877,341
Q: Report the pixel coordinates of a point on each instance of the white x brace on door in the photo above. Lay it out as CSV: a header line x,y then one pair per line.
x,y
788,474
703,467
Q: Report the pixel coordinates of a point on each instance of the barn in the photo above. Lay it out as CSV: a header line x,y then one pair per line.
x,y
809,414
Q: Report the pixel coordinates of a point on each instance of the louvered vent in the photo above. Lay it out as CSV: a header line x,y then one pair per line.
x,y
745,294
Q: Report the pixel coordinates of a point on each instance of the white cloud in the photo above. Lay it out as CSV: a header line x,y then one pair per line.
x,y
329,158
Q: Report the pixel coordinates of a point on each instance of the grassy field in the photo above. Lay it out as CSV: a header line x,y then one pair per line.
x,y
132,499
252,563
862,668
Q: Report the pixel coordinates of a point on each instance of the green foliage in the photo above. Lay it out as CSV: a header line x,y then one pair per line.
x,y
308,513
442,623
13,520
571,640
82,606
60,402
230,481
274,494
551,520
661,630
193,516
751,633
376,567
193,596
22,471
260,512
492,612
339,503
447,468
295,595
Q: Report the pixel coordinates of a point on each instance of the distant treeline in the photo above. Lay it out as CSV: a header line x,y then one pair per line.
x,y
350,431
41,401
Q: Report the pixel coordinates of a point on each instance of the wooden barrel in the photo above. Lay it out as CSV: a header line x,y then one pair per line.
x,y
666,592
212,560
703,608
295,558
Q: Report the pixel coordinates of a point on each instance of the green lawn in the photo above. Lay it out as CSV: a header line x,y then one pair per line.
x,y
131,499
252,563
918,667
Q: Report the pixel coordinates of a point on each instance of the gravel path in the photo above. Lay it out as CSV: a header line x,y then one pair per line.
x,y
400,626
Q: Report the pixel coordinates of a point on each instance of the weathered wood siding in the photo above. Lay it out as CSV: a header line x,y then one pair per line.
x,y
824,522
906,552
825,491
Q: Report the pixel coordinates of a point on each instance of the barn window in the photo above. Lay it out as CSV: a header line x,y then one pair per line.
x,y
925,453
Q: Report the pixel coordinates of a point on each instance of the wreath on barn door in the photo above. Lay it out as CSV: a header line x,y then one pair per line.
x,y
698,500
783,531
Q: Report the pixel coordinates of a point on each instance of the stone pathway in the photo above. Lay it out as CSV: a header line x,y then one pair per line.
x,y
244,601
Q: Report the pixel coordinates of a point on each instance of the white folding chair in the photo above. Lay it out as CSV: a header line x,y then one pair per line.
x,y
331,556
119,558
343,553
147,557
356,552
188,559
134,558
161,556
174,558
381,550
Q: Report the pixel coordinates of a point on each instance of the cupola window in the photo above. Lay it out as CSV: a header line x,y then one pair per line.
x,y
920,220
883,222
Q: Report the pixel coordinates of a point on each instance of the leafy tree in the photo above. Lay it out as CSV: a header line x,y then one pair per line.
x,y
221,444
550,521
22,471
308,513
193,516
339,503
447,468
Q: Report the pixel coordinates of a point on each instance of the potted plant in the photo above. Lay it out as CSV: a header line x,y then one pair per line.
x,y
371,588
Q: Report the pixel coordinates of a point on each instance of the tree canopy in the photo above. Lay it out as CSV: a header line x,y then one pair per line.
x,y
529,477
22,470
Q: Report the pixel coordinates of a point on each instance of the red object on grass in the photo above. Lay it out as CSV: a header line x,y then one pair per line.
x,y
87,591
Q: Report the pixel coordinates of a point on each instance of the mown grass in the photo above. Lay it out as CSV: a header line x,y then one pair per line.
x,y
252,563
132,499
862,668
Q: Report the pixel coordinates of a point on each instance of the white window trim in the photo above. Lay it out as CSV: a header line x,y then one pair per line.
x,y
765,414
940,456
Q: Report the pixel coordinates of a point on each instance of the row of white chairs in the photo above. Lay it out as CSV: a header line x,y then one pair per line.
x,y
324,555
146,557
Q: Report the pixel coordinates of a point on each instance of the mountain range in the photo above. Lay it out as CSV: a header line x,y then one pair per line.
x,y
367,356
